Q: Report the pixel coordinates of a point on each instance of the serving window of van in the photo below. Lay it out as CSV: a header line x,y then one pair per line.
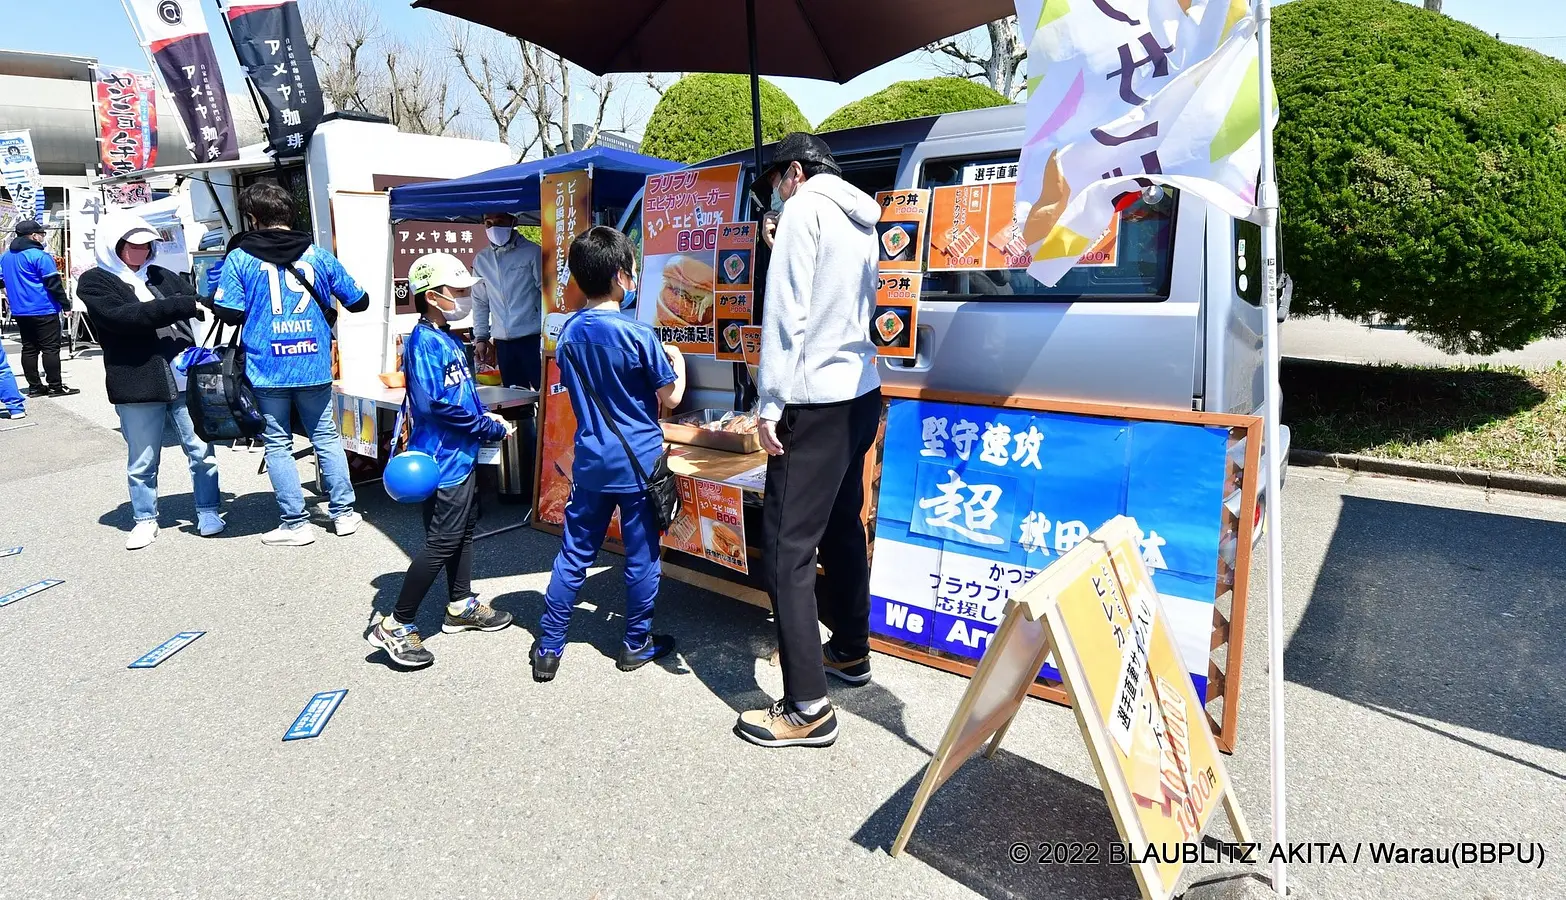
x,y
976,252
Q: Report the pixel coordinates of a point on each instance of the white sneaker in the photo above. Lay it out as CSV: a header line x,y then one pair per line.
x,y
347,524
142,535
290,537
16,415
209,523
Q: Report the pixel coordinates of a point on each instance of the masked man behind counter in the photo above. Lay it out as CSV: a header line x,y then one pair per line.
x,y
508,309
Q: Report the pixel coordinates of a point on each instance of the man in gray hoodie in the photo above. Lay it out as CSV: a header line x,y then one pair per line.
x,y
820,407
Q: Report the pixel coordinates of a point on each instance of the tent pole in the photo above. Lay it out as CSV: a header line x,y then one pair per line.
x,y
1267,203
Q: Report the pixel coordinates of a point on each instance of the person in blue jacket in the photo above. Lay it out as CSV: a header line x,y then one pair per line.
x,y
449,423
36,295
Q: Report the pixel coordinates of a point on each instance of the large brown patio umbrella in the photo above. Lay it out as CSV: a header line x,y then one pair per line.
x,y
833,40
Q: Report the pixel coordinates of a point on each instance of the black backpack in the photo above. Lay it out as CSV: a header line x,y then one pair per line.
x,y
221,400
218,394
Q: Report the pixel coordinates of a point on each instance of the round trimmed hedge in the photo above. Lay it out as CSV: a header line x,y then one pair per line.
x,y
702,116
1422,170
913,99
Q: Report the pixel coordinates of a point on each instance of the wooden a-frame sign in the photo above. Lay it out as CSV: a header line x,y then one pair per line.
x,y
1138,712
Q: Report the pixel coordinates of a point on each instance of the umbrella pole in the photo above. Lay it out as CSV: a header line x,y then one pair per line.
x,y
755,81
743,390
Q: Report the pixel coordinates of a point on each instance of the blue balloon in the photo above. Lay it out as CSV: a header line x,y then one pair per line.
x,y
411,476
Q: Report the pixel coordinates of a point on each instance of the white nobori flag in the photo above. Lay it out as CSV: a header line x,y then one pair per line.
x,y
1133,92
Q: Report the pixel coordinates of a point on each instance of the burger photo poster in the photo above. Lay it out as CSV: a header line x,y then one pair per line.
x,y
684,212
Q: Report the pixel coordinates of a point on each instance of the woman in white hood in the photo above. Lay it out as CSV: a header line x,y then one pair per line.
x,y
141,314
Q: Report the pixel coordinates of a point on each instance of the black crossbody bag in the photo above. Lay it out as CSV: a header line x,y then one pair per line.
x,y
662,486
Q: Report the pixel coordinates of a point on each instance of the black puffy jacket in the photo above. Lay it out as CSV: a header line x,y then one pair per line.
x,y
139,339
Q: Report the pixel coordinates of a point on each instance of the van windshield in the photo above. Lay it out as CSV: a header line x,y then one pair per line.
x,y
1133,263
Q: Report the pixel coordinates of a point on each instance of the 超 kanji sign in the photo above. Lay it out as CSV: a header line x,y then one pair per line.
x,y
976,500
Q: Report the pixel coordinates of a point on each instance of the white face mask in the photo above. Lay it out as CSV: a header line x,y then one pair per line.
x,y
499,236
461,306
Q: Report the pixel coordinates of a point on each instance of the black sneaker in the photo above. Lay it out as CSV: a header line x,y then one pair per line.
x,y
772,727
657,647
545,665
37,392
63,391
853,671
401,643
477,617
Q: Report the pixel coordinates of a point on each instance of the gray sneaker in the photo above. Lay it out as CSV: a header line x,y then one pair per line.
x,y
401,643
476,617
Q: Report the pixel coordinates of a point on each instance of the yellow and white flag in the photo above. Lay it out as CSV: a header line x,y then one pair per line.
x,y
1133,92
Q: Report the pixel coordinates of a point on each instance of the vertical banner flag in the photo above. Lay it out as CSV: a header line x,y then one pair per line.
x,y
1124,94
566,211
125,103
19,169
85,207
269,38
176,33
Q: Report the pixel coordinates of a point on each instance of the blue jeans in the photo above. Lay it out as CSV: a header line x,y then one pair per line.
x,y
10,397
586,519
315,411
142,425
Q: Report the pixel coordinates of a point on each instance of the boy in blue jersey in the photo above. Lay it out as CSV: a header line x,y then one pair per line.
x,y
278,287
606,353
449,423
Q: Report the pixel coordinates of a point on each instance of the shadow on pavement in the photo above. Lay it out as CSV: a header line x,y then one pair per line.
x,y
1442,614
971,823
245,515
1348,408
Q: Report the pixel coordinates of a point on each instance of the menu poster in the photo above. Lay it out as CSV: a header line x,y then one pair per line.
x,y
566,211
734,316
896,313
750,344
683,213
900,233
711,523
736,255
974,227
356,424
721,509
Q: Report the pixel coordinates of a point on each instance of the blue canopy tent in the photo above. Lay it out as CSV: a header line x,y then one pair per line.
x,y
617,177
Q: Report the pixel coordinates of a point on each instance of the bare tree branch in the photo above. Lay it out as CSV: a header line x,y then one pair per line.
x,y
964,57
341,35
494,69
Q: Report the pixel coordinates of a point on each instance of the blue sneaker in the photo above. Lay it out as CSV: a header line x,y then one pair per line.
x,y
657,647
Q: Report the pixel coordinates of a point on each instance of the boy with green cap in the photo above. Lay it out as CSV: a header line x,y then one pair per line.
x,y
449,423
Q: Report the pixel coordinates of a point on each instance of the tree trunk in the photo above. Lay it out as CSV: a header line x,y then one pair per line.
x,y
1433,5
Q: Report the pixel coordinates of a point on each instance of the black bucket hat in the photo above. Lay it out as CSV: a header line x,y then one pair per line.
x,y
800,147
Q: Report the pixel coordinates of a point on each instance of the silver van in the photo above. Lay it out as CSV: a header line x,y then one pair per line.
x,y
1176,322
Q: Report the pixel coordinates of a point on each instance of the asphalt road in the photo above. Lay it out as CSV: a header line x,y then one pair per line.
x,y
1426,700
1342,340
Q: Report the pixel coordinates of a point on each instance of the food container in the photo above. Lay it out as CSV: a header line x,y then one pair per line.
x,y
687,429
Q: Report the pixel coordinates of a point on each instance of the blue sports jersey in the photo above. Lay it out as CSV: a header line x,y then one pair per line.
x,y
623,361
287,341
448,419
